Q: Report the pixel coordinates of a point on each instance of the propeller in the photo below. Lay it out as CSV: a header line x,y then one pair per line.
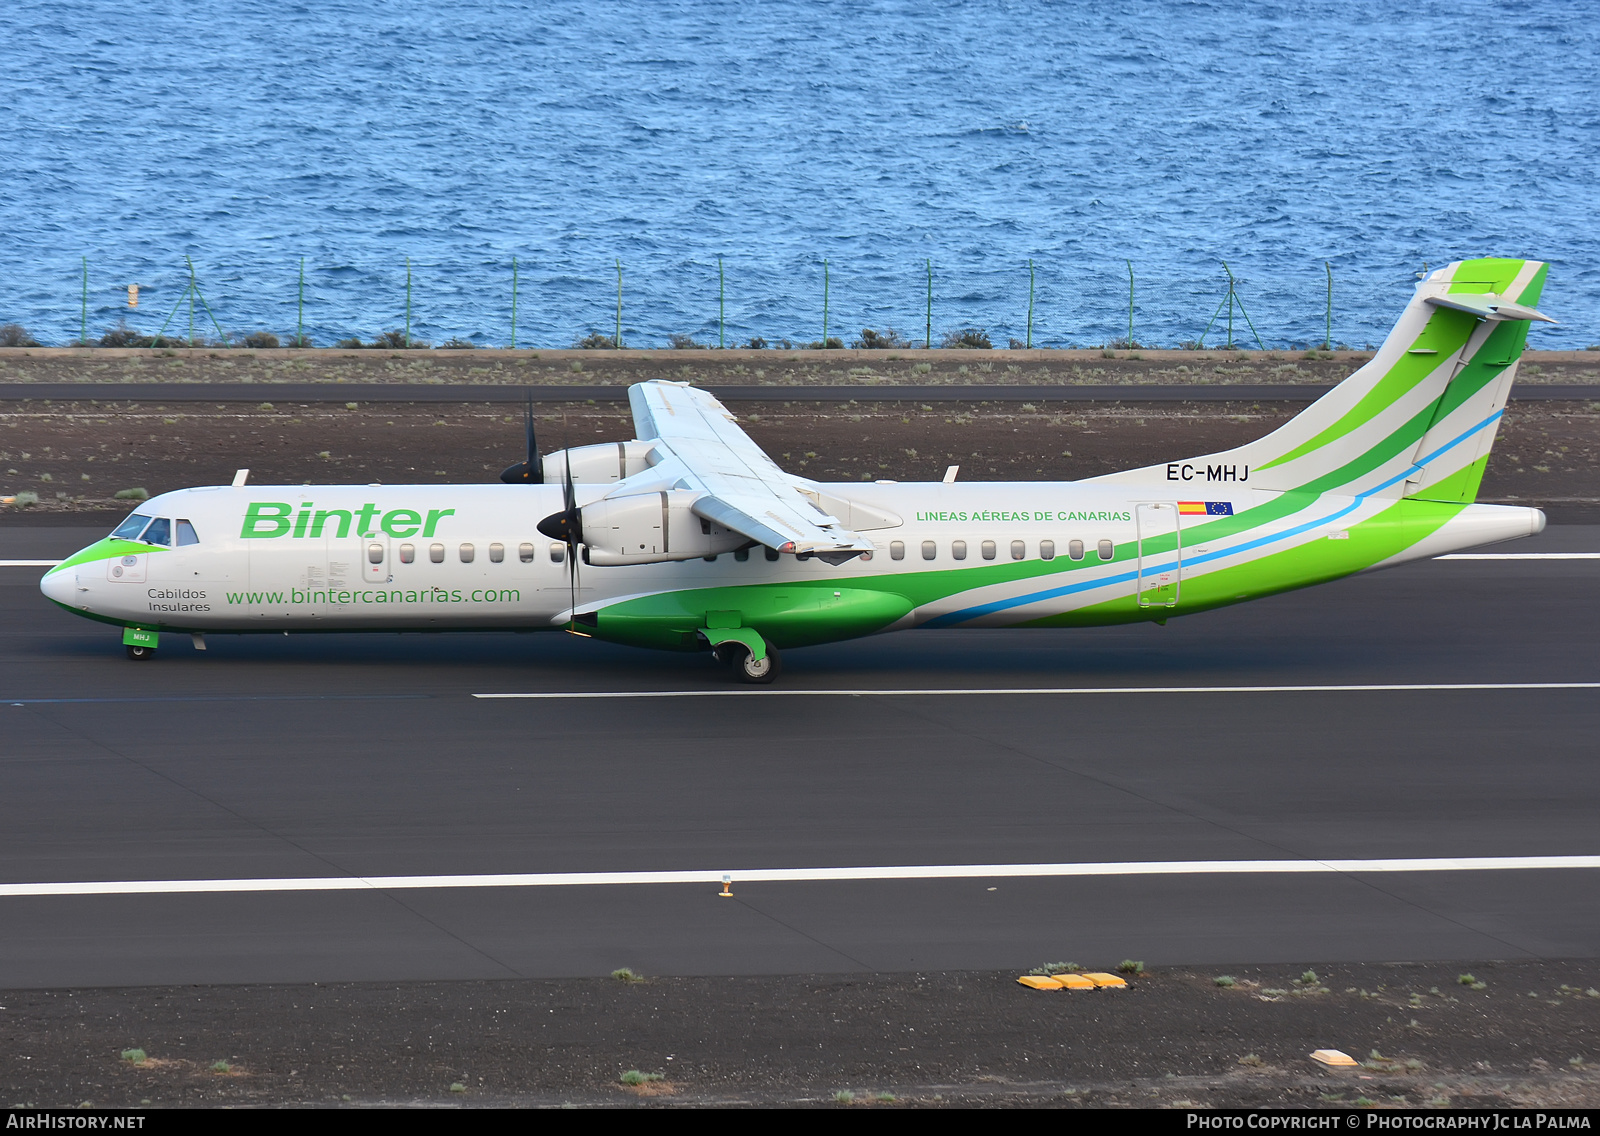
x,y
529,471
567,526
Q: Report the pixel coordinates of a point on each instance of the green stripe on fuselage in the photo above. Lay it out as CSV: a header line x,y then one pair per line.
x,y
1317,561
110,548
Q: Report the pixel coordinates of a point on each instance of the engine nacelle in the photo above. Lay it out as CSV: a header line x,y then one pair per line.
x,y
648,528
599,464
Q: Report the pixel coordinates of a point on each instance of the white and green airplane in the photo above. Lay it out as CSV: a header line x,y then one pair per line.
x,y
689,538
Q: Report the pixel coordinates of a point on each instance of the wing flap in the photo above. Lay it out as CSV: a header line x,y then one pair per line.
x,y
745,491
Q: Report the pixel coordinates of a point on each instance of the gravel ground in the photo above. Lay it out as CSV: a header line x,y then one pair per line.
x,y
733,367
1529,1037
75,456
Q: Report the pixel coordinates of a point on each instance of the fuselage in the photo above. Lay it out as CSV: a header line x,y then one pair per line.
x,y
975,554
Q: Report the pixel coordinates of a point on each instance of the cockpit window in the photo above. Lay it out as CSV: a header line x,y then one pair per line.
x,y
159,532
186,533
132,527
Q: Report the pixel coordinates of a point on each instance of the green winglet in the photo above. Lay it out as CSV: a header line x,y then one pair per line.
x,y
717,636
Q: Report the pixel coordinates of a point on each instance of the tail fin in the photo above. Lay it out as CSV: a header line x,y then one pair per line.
x,y
1415,421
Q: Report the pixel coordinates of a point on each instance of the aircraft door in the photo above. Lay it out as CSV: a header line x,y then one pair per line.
x,y
1160,554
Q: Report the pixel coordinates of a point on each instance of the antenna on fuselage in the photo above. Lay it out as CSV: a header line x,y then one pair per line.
x,y
240,476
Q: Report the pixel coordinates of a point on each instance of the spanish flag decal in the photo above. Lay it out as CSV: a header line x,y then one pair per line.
x,y
1205,508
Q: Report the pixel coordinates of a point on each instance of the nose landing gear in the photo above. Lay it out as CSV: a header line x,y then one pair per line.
x,y
141,644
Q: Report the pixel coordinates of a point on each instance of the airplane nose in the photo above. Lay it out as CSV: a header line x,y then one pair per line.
x,y
60,585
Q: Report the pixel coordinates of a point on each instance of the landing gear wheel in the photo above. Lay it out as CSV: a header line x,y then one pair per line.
x,y
756,672
139,654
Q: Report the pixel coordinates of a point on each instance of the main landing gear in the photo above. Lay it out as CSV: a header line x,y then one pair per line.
x,y
746,667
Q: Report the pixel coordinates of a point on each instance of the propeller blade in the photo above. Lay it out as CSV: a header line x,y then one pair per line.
x,y
535,462
529,471
574,527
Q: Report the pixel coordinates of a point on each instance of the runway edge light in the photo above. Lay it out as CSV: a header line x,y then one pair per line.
x,y
1040,982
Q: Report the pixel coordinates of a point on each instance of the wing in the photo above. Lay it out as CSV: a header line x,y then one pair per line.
x,y
743,488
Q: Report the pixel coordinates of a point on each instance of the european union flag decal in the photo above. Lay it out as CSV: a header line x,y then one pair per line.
x,y
1205,508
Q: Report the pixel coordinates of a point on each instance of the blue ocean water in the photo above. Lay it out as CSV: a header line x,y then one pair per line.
x,y
878,137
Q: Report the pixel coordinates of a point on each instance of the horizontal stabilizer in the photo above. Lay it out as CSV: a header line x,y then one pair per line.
x,y
1487,305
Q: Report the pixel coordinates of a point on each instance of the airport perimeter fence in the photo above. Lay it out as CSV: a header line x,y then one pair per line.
x,y
1077,308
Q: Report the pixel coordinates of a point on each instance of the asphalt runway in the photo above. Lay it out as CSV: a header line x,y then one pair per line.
x,y
271,758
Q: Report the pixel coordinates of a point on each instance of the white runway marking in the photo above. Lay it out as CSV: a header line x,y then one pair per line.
x,y
770,692
1520,556
28,563
801,875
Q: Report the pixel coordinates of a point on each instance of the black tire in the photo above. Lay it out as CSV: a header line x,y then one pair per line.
x,y
747,669
139,654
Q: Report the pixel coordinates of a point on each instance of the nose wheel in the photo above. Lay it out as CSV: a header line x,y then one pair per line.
x,y
139,654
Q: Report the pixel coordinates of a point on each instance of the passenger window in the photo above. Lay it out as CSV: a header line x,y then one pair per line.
x,y
741,554
772,553
374,553
436,553
467,553
159,532
929,550
958,549
558,552
1107,549
525,552
131,528
408,553
1075,549
186,533
897,550
497,553
1047,550
1019,549
988,550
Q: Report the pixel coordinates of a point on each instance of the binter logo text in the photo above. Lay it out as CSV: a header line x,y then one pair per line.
x,y
267,520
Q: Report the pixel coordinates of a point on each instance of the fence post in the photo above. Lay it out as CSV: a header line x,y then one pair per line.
x,y
83,333
1229,271
618,340
513,303
1030,304
1327,334
408,301
1130,304
300,308
928,329
194,291
824,302
722,306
